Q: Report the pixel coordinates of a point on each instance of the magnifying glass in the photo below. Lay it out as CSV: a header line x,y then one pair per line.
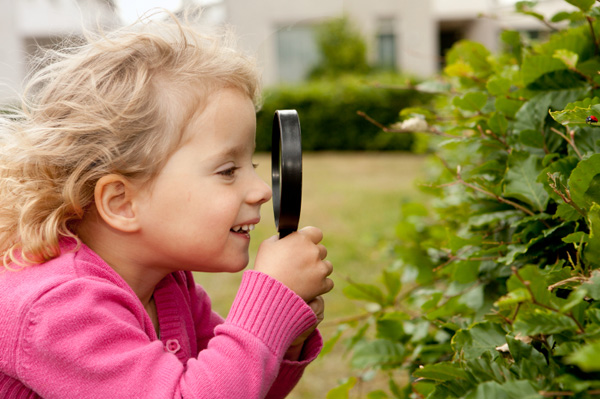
x,y
286,171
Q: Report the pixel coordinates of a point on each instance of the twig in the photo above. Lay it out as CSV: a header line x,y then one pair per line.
x,y
386,129
550,394
492,134
566,196
499,198
570,141
567,281
527,285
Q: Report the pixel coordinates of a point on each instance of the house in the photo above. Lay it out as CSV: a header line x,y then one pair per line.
x,y
27,24
408,35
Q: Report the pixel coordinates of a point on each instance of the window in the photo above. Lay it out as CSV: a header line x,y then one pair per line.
x,y
386,44
297,52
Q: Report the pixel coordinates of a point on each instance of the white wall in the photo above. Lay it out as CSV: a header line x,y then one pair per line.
x,y
11,57
257,22
24,23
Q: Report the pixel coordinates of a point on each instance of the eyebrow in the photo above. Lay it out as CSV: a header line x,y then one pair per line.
x,y
233,151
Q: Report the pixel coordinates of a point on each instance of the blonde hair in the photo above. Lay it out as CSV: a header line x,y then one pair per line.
x,y
116,104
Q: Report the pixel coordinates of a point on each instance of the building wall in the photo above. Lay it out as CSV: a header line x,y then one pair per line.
x,y
258,24
27,24
11,59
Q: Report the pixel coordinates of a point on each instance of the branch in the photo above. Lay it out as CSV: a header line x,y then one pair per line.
x,y
386,129
497,197
550,394
492,134
571,140
567,281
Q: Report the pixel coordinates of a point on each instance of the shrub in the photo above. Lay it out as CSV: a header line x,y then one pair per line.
x,y
328,113
496,288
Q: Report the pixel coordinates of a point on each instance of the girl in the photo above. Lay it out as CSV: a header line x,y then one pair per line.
x,y
129,167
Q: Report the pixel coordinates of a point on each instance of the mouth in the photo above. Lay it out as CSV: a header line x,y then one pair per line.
x,y
243,229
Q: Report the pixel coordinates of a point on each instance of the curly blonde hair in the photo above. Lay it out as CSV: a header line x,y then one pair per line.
x,y
116,104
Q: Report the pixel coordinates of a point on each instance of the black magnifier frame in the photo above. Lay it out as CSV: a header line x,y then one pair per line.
x,y
286,171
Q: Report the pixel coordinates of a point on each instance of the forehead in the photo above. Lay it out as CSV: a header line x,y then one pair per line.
x,y
225,122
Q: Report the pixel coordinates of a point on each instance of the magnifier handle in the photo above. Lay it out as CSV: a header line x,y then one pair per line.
x,y
283,233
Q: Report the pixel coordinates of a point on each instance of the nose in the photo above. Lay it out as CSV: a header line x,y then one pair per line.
x,y
260,193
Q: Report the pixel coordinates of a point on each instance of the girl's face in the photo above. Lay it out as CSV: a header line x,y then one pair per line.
x,y
198,212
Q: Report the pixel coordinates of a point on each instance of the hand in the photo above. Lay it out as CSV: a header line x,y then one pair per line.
x,y
297,261
295,350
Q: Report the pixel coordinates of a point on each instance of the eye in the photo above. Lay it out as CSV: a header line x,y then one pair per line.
x,y
229,172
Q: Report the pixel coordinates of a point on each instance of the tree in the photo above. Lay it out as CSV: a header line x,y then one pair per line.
x,y
342,49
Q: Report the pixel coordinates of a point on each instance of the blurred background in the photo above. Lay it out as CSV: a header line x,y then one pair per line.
x,y
328,59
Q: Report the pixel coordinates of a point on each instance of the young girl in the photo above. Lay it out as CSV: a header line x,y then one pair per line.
x,y
129,168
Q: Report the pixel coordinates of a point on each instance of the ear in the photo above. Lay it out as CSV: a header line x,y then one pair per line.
x,y
114,200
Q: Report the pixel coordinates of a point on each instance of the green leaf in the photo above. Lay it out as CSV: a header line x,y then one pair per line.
x,y
583,5
584,182
498,123
480,338
473,54
569,58
560,170
592,286
509,390
472,101
330,343
364,292
576,238
342,391
587,357
536,280
498,86
535,66
444,371
518,295
465,271
380,353
577,112
507,106
379,394
591,252
542,321
392,283
390,326
521,180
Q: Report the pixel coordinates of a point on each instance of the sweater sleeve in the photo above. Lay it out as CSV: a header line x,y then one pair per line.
x,y
245,314
87,340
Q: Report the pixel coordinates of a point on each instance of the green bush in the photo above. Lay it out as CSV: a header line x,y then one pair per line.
x,y
342,48
328,113
496,289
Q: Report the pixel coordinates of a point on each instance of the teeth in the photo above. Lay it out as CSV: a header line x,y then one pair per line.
x,y
245,227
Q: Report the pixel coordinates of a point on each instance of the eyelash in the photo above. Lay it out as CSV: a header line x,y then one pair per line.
x,y
231,171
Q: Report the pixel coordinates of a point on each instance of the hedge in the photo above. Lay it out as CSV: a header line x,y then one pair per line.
x,y
328,113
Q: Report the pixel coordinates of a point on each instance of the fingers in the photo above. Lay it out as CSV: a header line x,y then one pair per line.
x,y
313,233
322,251
318,307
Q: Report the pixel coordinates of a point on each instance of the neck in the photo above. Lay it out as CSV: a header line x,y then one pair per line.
x,y
121,252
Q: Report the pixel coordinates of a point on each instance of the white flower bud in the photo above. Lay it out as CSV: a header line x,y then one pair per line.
x,y
414,124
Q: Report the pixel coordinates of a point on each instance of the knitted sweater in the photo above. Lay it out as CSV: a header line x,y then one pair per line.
x,y
73,328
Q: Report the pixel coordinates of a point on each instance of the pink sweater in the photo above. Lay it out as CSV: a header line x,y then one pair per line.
x,y
73,328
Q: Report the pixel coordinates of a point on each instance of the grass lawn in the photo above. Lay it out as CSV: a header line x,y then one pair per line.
x,y
354,198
